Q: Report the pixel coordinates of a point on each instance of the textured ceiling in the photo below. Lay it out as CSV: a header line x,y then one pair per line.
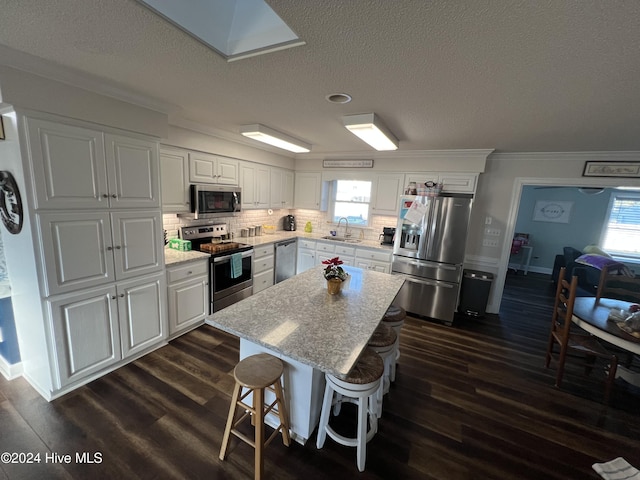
x,y
514,75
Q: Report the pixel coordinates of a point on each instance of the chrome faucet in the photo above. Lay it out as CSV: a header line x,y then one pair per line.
x,y
346,228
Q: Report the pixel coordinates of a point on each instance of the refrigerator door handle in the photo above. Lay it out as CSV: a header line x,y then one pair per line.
x,y
429,283
417,263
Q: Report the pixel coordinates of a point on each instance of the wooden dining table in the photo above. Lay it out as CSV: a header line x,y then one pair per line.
x,y
593,316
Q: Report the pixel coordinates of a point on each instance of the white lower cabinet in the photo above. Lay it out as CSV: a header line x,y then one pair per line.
x,y
369,259
263,267
94,329
306,255
188,295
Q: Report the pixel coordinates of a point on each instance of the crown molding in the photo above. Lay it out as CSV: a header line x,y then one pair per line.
x,y
602,156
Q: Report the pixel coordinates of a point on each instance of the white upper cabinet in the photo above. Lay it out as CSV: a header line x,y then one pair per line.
x,y
207,168
308,190
80,168
452,182
387,189
174,180
254,182
69,166
281,188
133,171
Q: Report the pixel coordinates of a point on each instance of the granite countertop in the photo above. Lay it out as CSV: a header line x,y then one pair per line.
x,y
176,257
299,319
281,235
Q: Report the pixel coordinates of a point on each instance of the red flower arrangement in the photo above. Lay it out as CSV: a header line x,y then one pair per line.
x,y
334,270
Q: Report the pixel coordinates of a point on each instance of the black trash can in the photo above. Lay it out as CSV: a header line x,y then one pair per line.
x,y
474,293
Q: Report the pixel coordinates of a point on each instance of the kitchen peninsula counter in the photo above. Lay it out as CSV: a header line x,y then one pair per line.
x,y
312,332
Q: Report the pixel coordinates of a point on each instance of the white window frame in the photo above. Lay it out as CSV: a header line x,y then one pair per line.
x,y
334,192
622,255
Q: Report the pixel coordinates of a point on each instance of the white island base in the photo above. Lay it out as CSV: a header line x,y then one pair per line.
x,y
303,388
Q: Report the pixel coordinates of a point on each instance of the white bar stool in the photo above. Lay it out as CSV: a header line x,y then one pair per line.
x,y
359,387
394,318
384,343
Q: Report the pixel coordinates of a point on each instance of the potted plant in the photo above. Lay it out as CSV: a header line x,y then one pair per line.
x,y
334,274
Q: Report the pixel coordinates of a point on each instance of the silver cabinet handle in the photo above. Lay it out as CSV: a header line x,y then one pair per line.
x,y
118,247
113,195
121,295
113,297
104,195
109,248
189,272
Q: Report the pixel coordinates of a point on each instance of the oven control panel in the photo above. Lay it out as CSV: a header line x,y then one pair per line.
x,y
203,231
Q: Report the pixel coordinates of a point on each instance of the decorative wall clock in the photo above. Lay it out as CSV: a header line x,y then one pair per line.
x,y
10,203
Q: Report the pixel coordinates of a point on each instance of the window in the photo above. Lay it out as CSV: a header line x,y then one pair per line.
x,y
622,231
351,201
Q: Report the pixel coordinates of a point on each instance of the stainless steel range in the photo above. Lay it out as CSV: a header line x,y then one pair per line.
x,y
230,266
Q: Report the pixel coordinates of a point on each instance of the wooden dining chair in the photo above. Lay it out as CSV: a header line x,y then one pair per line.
x,y
572,341
618,286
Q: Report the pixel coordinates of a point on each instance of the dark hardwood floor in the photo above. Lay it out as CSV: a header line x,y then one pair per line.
x,y
471,401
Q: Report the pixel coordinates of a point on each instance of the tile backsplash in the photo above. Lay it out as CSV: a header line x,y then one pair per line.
x,y
248,218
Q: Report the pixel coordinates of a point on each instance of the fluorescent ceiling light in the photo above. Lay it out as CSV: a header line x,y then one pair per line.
x,y
370,128
275,138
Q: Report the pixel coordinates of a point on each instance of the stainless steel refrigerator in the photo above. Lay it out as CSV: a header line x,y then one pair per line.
x,y
428,251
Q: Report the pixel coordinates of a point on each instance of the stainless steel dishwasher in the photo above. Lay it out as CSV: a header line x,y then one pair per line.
x,y
285,259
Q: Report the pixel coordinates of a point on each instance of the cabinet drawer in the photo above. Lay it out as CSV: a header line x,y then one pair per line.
x,y
325,247
342,250
262,264
374,255
263,250
193,269
306,244
262,281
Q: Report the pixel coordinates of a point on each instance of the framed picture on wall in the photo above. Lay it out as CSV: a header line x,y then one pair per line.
x,y
552,211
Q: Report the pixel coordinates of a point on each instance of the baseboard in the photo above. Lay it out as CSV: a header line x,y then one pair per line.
x,y
10,370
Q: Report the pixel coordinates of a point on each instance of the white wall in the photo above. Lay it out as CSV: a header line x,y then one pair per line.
x,y
498,197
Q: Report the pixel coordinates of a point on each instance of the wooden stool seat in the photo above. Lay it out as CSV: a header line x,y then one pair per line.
x,y
256,374
359,387
394,314
258,371
382,337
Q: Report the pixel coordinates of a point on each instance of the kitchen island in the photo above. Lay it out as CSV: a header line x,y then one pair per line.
x,y
311,331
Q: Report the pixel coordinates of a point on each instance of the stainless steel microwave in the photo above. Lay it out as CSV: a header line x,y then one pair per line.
x,y
210,201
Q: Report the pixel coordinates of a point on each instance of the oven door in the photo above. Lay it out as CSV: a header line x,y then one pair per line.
x,y
224,288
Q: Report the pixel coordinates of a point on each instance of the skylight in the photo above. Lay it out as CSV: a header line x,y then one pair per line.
x,y
235,29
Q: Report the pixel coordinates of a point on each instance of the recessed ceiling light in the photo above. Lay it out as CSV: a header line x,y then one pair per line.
x,y
338,98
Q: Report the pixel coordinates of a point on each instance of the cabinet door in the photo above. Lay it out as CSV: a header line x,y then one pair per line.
x,y
78,250
137,243
306,260
308,190
387,191
227,171
249,195
287,189
202,168
188,304
85,333
281,188
69,166
141,311
263,188
134,172
174,181
461,183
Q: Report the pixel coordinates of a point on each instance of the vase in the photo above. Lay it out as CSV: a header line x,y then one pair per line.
x,y
334,285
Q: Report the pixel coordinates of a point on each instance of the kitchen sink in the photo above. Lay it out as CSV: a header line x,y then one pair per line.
x,y
342,239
